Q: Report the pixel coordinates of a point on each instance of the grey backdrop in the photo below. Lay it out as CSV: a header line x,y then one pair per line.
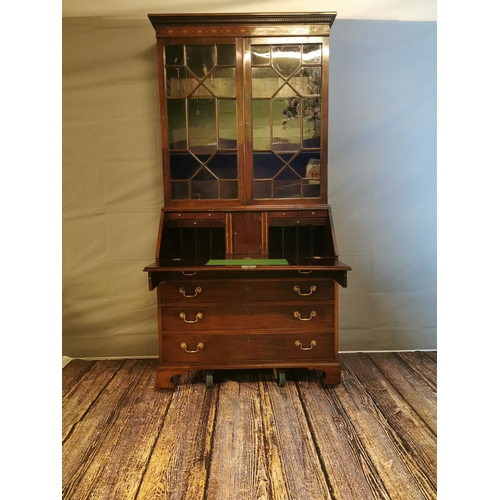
x,y
382,174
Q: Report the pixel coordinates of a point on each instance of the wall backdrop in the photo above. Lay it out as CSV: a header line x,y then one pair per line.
x,y
382,174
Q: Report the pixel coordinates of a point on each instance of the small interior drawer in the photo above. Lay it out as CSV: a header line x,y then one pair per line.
x,y
313,213
210,215
282,215
179,215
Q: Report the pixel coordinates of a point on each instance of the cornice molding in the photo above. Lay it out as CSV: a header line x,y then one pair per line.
x,y
165,20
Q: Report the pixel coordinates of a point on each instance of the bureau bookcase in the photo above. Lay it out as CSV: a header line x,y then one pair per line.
x,y
246,268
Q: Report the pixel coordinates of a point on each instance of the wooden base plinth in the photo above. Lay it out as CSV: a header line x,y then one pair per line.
x,y
332,374
165,377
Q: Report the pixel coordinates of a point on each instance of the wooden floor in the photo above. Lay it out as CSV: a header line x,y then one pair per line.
x,y
373,436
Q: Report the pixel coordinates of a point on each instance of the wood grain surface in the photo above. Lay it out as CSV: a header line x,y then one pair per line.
x,y
372,437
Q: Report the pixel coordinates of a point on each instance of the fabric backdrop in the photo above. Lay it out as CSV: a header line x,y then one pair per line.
x,y
382,174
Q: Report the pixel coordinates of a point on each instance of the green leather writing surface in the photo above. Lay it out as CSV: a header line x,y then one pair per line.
x,y
247,262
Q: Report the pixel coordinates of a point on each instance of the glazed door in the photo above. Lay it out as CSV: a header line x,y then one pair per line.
x,y
287,104
203,120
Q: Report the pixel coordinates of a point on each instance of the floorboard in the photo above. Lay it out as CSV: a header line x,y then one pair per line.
x,y
421,397
346,463
238,462
177,468
371,437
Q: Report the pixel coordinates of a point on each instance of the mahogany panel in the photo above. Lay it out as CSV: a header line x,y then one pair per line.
x,y
247,233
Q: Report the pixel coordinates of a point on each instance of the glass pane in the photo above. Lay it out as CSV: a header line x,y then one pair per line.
x,y
311,122
226,55
222,82
287,91
200,59
179,82
183,166
260,54
311,53
262,190
174,55
265,82
227,124
204,186
286,126
202,125
201,91
287,157
224,165
261,113
307,81
176,115
266,165
311,190
286,58
307,165
202,158
229,190
287,185
286,189
180,190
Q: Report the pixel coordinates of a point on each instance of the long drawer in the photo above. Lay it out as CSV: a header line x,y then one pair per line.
x,y
192,292
200,349
249,317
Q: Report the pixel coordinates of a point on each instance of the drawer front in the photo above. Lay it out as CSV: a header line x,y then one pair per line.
x,y
194,215
255,317
227,349
313,213
179,215
282,215
210,215
193,292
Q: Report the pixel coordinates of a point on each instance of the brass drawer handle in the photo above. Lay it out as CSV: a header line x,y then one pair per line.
x,y
313,314
198,347
185,273
312,289
305,272
313,343
197,290
182,315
